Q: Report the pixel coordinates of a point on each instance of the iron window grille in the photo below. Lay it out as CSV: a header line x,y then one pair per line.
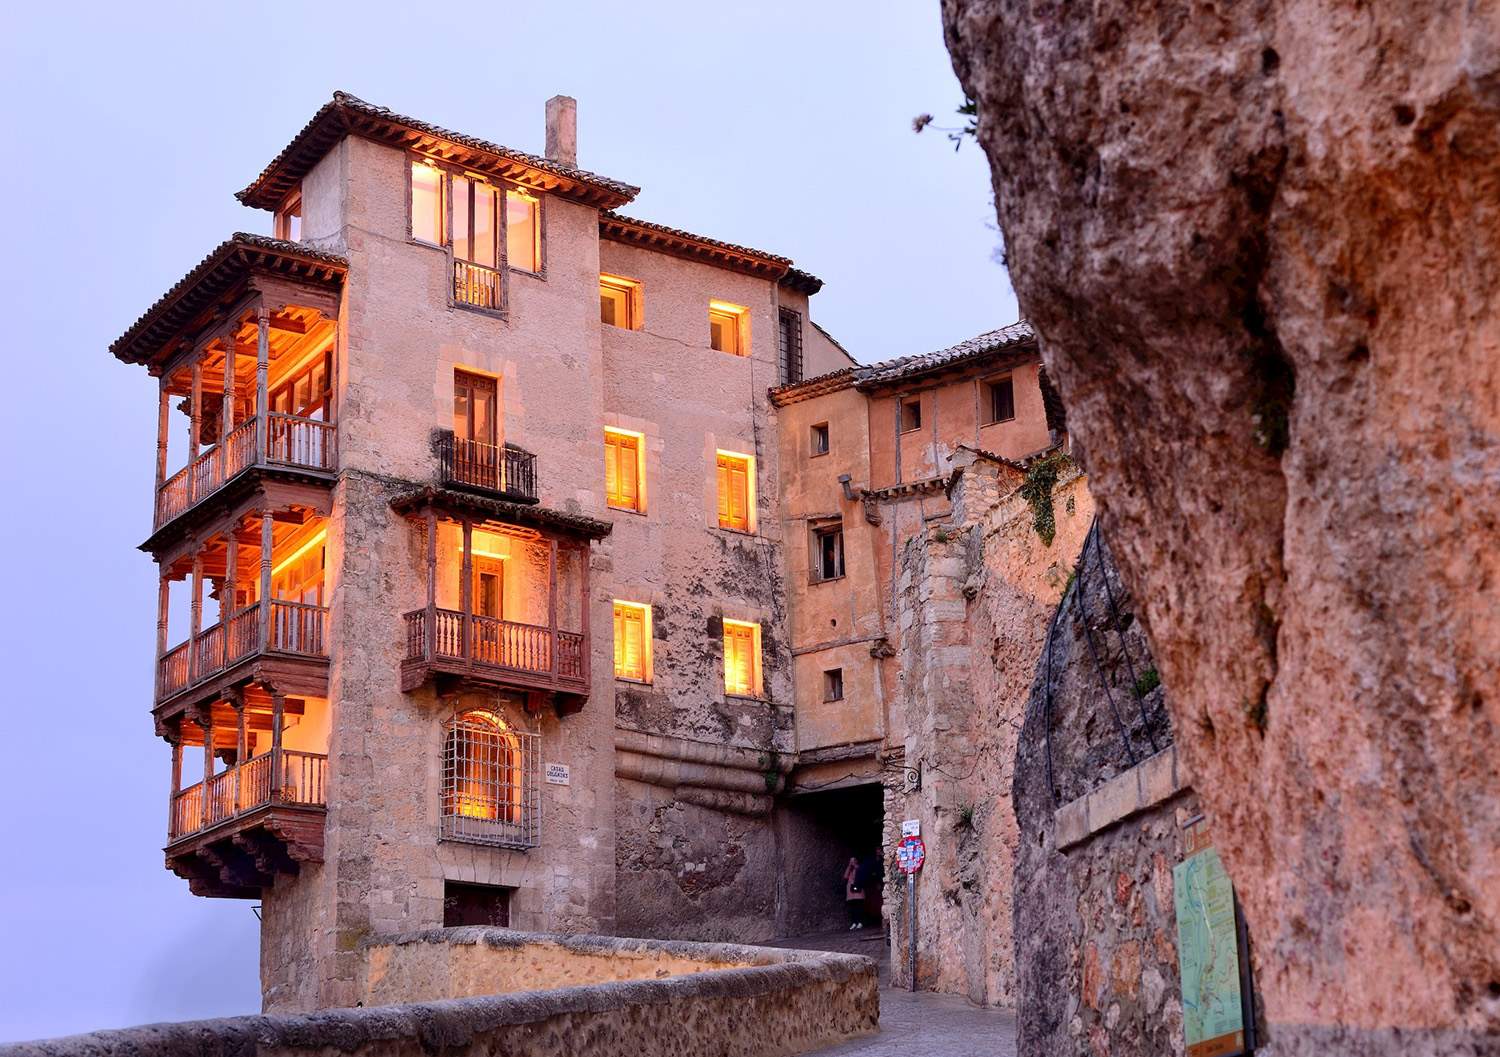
x,y
491,782
789,345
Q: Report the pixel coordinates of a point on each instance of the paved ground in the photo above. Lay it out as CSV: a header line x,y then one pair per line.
x,y
914,1025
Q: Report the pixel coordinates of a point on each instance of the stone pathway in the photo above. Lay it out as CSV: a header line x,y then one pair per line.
x,y
914,1025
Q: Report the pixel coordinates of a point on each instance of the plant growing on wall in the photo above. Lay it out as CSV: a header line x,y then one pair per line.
x,y
1041,478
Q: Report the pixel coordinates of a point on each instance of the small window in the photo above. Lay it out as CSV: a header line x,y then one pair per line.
x,y
833,685
734,491
468,904
619,302
741,659
523,230
828,552
1002,395
289,218
820,439
491,793
426,203
622,470
633,641
789,345
728,328
911,414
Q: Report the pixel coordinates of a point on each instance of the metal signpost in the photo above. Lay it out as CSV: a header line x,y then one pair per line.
x,y
910,854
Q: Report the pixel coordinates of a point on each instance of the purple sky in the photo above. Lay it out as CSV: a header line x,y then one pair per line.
x,y
784,126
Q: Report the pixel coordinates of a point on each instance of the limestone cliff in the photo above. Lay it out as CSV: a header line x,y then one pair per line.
x,y
1257,242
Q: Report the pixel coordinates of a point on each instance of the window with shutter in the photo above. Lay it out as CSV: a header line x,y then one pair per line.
x,y
734,491
633,641
622,460
741,659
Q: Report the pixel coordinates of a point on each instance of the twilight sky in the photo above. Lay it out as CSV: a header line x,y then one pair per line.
x,y
781,125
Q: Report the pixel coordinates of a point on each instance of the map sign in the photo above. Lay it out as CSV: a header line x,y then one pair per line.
x,y
1213,1014
910,854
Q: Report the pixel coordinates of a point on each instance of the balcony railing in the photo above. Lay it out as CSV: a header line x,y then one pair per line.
x,y
299,443
509,471
292,627
437,636
284,776
477,285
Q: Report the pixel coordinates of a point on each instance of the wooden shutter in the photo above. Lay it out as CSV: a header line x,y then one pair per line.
x,y
739,659
622,471
734,493
630,642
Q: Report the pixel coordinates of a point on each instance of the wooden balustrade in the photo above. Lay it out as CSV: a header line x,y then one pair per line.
x,y
295,628
477,285
299,443
246,787
505,645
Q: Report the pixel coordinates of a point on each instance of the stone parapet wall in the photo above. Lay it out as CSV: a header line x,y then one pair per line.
x,y
730,1000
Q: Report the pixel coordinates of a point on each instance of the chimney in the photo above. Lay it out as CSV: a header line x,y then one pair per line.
x,y
562,130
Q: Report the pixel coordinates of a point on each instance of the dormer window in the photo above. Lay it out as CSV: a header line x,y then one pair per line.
x,y
289,218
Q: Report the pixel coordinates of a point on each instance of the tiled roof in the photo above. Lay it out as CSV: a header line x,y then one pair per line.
x,y
904,368
347,115
803,282
502,510
234,258
680,243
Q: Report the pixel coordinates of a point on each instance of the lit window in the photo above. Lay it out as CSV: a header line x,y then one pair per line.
x,y
820,439
734,491
789,345
476,235
622,470
490,790
911,414
828,552
619,302
1002,400
833,685
741,659
523,231
426,203
728,328
633,641
289,218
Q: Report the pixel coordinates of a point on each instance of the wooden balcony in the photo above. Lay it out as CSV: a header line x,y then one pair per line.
x,y
291,629
508,471
272,441
478,286
232,834
501,652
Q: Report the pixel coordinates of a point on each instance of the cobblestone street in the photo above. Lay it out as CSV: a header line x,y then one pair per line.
x,y
914,1025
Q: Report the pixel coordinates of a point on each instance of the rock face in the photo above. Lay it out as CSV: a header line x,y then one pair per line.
x,y
1257,240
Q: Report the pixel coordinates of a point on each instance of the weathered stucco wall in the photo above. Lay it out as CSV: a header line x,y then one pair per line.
x,y
975,594
1270,226
744,1002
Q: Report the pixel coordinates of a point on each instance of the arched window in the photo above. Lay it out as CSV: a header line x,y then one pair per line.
x,y
490,790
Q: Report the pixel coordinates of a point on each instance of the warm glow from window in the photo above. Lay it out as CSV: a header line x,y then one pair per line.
x,y
736,480
523,231
729,328
623,473
741,659
619,302
633,641
426,203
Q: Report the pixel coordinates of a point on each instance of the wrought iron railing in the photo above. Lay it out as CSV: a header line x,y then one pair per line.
x,y
504,469
477,285
291,441
287,776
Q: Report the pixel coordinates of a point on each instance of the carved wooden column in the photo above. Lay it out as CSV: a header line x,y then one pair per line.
x,y
262,371
195,421
163,418
163,603
237,699
172,827
430,651
197,617
226,594
227,426
266,538
208,764
467,590
552,600
278,710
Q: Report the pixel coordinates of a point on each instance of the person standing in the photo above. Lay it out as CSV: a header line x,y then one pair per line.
x,y
854,895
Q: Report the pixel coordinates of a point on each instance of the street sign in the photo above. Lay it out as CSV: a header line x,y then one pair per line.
x,y
910,854
911,827
558,774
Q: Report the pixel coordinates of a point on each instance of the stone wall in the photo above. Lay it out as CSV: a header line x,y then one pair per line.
x,y
1257,240
974,595
688,998
1100,805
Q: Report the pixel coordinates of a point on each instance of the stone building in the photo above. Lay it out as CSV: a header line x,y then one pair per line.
x,y
513,573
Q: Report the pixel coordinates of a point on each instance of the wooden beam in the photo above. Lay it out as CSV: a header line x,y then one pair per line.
x,y
288,324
